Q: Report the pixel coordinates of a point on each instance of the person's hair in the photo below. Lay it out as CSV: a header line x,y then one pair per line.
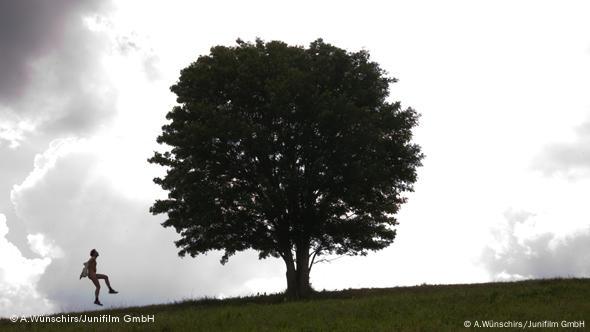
x,y
93,251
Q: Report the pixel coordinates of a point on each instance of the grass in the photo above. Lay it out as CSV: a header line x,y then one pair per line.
x,y
419,308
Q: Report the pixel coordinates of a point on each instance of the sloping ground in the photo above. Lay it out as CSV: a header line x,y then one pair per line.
x,y
552,304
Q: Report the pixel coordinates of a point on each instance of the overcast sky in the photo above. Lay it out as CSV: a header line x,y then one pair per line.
x,y
502,87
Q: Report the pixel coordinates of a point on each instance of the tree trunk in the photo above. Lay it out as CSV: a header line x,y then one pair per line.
x,y
298,286
292,293
303,287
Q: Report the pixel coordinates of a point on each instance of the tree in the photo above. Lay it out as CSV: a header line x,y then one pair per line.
x,y
293,152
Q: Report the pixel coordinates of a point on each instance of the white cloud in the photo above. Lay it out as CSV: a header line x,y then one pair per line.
x,y
18,279
14,132
569,159
524,250
43,246
44,162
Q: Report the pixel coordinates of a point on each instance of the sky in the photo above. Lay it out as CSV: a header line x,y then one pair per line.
x,y
502,89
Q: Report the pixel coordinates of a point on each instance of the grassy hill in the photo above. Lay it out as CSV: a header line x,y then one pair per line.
x,y
539,303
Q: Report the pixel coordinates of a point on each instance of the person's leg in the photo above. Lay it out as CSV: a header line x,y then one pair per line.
x,y
97,285
106,280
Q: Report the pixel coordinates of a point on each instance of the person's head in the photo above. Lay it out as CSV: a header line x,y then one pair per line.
x,y
93,253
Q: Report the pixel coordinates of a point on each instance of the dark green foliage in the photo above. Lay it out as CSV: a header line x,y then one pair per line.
x,y
290,151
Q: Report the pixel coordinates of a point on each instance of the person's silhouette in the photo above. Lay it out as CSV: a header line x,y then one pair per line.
x,y
92,275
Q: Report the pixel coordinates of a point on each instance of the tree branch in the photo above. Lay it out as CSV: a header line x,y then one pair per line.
x,y
313,258
326,260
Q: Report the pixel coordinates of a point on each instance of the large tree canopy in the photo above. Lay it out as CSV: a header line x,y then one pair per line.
x,y
293,152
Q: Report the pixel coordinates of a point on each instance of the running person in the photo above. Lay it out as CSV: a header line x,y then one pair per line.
x,y
92,275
